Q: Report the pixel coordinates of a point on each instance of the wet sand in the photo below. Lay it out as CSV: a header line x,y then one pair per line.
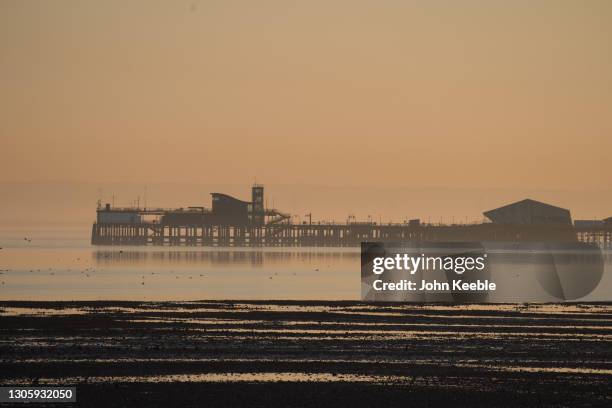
x,y
296,353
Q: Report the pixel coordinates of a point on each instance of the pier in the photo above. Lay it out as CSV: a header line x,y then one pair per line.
x,y
235,223
333,235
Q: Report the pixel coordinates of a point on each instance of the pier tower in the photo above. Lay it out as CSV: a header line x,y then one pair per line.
x,y
257,201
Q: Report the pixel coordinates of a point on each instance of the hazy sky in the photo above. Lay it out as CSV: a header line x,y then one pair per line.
x,y
415,93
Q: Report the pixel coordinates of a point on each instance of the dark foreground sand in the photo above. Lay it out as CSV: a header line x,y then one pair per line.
x,y
311,353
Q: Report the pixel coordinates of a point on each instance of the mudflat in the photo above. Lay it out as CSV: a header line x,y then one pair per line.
x,y
311,353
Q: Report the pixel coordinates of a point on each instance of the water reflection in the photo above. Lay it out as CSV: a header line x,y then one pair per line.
x,y
178,273
219,257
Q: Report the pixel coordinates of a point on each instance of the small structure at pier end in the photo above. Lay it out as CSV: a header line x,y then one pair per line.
x,y
530,212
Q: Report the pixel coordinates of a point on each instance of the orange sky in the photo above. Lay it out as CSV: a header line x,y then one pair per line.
x,y
464,94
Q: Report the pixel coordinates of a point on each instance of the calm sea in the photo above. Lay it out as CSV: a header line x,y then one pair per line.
x,y
62,265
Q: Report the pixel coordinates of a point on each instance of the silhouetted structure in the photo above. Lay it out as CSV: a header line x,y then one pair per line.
x,y
529,212
233,222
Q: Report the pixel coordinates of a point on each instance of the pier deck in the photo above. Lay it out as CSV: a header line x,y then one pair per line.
x,y
332,235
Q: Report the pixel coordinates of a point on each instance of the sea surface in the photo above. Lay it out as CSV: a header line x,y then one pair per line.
x,y
63,265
